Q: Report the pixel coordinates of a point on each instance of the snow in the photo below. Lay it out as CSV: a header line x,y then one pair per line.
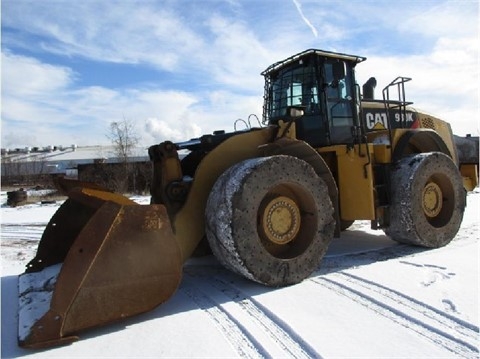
x,y
35,292
371,297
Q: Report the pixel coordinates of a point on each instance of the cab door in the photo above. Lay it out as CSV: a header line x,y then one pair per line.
x,y
339,98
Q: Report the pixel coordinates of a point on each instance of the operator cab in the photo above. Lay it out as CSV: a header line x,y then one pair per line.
x,y
323,84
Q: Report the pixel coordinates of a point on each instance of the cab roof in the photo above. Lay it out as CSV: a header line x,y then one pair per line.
x,y
320,53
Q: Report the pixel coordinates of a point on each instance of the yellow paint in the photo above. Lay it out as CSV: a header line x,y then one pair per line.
x,y
108,196
173,170
470,176
442,128
281,220
355,181
290,133
382,153
189,223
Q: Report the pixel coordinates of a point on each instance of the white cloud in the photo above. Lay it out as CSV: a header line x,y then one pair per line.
x,y
434,43
51,109
217,53
26,76
304,18
161,130
123,32
447,18
235,56
444,82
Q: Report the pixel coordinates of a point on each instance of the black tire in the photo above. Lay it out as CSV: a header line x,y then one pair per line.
x,y
428,200
15,198
270,219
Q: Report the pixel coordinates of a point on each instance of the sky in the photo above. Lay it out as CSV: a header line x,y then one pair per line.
x,y
179,69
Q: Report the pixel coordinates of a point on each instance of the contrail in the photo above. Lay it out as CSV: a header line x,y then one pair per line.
x,y
309,24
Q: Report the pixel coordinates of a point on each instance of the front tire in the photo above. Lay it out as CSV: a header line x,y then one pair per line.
x,y
270,219
428,200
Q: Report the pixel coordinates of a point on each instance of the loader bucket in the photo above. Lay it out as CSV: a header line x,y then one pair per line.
x,y
101,258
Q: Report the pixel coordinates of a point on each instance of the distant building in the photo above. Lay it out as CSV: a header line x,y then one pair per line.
x,y
31,165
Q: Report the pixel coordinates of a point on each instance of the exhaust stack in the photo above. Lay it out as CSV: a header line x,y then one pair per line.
x,y
369,89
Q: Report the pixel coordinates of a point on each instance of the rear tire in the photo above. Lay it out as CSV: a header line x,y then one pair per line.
x,y
270,219
428,200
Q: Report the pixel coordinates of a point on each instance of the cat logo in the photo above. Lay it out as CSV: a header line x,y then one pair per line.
x,y
378,126
376,121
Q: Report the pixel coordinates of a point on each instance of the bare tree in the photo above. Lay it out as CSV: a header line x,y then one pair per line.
x,y
124,138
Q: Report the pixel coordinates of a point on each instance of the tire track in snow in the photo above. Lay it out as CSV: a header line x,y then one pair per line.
x,y
31,232
446,331
335,263
20,242
277,329
239,338
277,337
468,330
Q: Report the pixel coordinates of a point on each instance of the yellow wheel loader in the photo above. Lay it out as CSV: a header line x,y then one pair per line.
x,y
266,200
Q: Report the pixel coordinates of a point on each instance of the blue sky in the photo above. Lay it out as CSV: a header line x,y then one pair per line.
x,y
182,68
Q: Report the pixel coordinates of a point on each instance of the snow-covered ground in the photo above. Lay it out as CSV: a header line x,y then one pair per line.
x,y
371,298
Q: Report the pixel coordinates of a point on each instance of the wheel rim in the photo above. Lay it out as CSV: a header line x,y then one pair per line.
x,y
281,220
438,200
432,200
286,220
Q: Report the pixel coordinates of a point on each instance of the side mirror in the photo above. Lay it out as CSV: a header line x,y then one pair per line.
x,y
339,70
295,112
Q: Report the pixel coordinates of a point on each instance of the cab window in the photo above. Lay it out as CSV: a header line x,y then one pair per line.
x,y
338,94
294,87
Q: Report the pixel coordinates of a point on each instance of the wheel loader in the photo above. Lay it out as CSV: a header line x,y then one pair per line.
x,y
266,200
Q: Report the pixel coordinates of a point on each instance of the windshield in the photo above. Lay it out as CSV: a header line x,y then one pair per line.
x,y
294,87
